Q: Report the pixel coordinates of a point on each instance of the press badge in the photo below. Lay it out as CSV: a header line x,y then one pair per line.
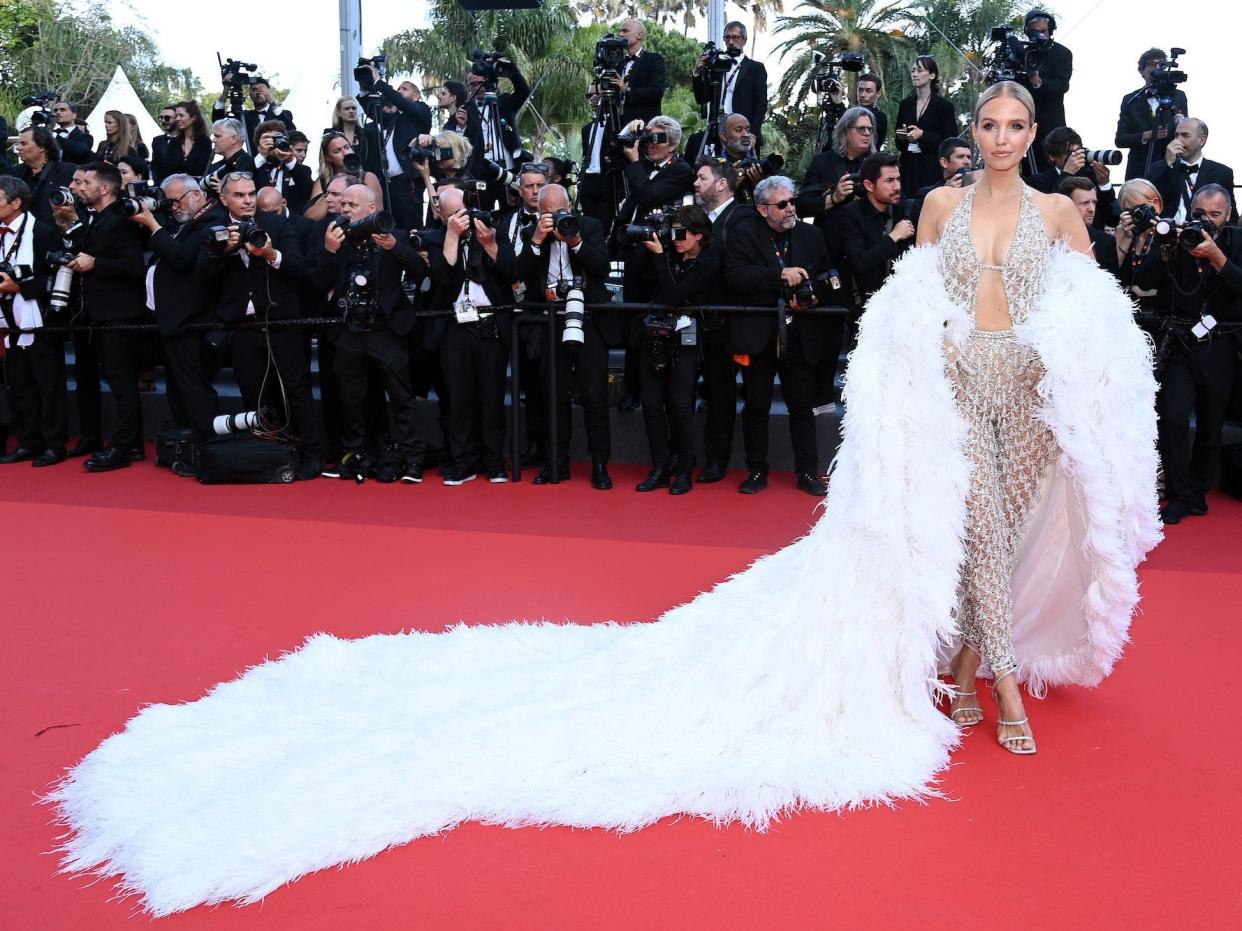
x,y
1205,326
465,310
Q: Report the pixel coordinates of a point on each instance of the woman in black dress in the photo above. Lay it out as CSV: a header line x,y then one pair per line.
x,y
924,120
189,152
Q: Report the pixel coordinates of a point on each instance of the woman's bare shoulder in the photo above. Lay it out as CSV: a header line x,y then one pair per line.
x,y
938,205
1063,221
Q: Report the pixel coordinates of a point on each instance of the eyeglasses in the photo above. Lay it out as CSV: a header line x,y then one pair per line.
x,y
778,204
533,168
863,130
734,37
238,176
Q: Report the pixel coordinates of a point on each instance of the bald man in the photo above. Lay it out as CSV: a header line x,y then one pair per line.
x,y
736,140
363,272
643,78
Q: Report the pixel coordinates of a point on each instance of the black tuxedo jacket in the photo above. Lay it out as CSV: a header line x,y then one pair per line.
x,y
238,161
179,297
447,281
474,133
332,273
412,119
869,251
1058,68
1107,212
671,182
750,92
1170,182
77,147
647,80
1104,248
295,183
1135,119
252,118
939,122
737,213
160,147
1221,293
753,273
53,175
114,290
590,261
507,104
236,284
826,170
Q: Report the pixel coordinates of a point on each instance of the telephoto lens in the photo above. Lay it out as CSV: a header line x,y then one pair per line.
x,y
235,423
352,164
381,222
1104,156
574,315
566,223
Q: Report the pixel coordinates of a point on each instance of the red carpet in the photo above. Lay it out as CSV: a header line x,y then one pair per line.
x,y
139,587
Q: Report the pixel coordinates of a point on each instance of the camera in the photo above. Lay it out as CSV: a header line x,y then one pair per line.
x,y
719,62
659,329
571,291
609,60
769,165
566,224
62,281
492,172
435,154
236,423
140,195
280,141
625,140
42,116
233,73
827,76
1164,80
1015,58
358,304
657,225
1145,218
380,223
489,67
352,164
248,233
1103,156
18,273
362,73
1195,231
251,234
61,197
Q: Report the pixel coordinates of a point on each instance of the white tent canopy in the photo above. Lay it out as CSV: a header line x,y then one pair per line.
x,y
120,95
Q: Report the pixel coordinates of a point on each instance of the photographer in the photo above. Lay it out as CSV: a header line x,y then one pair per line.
x,y
1144,125
500,139
1141,208
1067,157
445,171
177,299
337,157
743,88
76,144
1184,171
378,322
642,81
924,120
956,160
735,141
687,268
1049,83
276,166
867,95
257,279
599,185
875,229
771,258
566,253
714,185
829,183
1204,318
108,280
231,156
1082,192
402,119
471,272
42,171
34,363
264,106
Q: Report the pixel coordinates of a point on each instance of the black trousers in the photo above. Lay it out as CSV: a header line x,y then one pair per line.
x,y
474,374
834,330
86,365
798,387
120,355
668,403
582,372
720,390
191,397
383,351
1199,377
401,202
261,386
375,410
36,376
596,198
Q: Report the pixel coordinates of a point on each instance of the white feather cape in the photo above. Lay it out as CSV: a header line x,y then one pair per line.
x,y
806,681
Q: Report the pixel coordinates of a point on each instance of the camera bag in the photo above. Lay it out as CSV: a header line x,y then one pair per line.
x,y
245,459
175,449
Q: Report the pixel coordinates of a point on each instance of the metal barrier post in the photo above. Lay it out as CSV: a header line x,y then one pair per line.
x,y
554,451
515,391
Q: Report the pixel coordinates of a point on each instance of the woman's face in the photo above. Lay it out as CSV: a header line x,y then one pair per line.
x,y
181,119
690,244
1004,131
919,75
111,126
349,111
1135,198
337,150
553,177
127,173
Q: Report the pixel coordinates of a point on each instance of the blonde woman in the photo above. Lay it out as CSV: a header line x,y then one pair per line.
x,y
460,150
118,138
337,157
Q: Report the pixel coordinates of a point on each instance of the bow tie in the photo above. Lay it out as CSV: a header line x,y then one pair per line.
x,y
5,230
61,131
1190,169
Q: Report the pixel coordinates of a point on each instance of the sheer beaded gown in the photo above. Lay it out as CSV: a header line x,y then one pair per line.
x,y
996,487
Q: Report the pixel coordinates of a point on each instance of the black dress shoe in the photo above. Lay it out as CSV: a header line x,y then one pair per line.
x,y
21,454
108,460
812,484
630,403
755,481
682,482
137,454
1173,512
84,447
712,472
48,457
600,479
656,478
1197,508
308,468
545,474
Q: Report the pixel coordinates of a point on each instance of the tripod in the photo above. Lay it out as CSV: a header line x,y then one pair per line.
x,y
608,122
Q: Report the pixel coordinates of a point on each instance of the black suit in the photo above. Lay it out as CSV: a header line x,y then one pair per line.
x,y
1104,248
240,284
507,106
599,193
869,251
650,187
1136,117
1171,183
160,147
252,118
749,81
240,160
179,300
77,146
586,365
1107,213
295,183
1054,75
36,373
753,273
827,168
53,175
646,77
719,369
938,122
112,293
385,345
403,185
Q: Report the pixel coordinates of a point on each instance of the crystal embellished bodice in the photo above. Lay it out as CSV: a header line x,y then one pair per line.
x,y
1023,270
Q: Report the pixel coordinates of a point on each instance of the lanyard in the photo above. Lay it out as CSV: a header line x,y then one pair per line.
x,y
17,239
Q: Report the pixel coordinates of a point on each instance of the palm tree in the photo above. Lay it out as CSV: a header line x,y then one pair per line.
x,y
870,27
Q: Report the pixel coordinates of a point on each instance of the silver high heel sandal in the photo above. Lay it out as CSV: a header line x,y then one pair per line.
x,y
1013,744
977,709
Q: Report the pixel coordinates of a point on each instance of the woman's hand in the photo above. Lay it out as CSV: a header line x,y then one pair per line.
x,y
654,245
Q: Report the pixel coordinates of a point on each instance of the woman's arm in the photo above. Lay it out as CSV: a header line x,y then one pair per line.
x,y
1065,222
373,183
936,207
317,207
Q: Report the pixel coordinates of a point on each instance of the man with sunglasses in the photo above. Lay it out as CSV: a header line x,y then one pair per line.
x,y
828,186
160,144
177,299
743,89
76,144
765,261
